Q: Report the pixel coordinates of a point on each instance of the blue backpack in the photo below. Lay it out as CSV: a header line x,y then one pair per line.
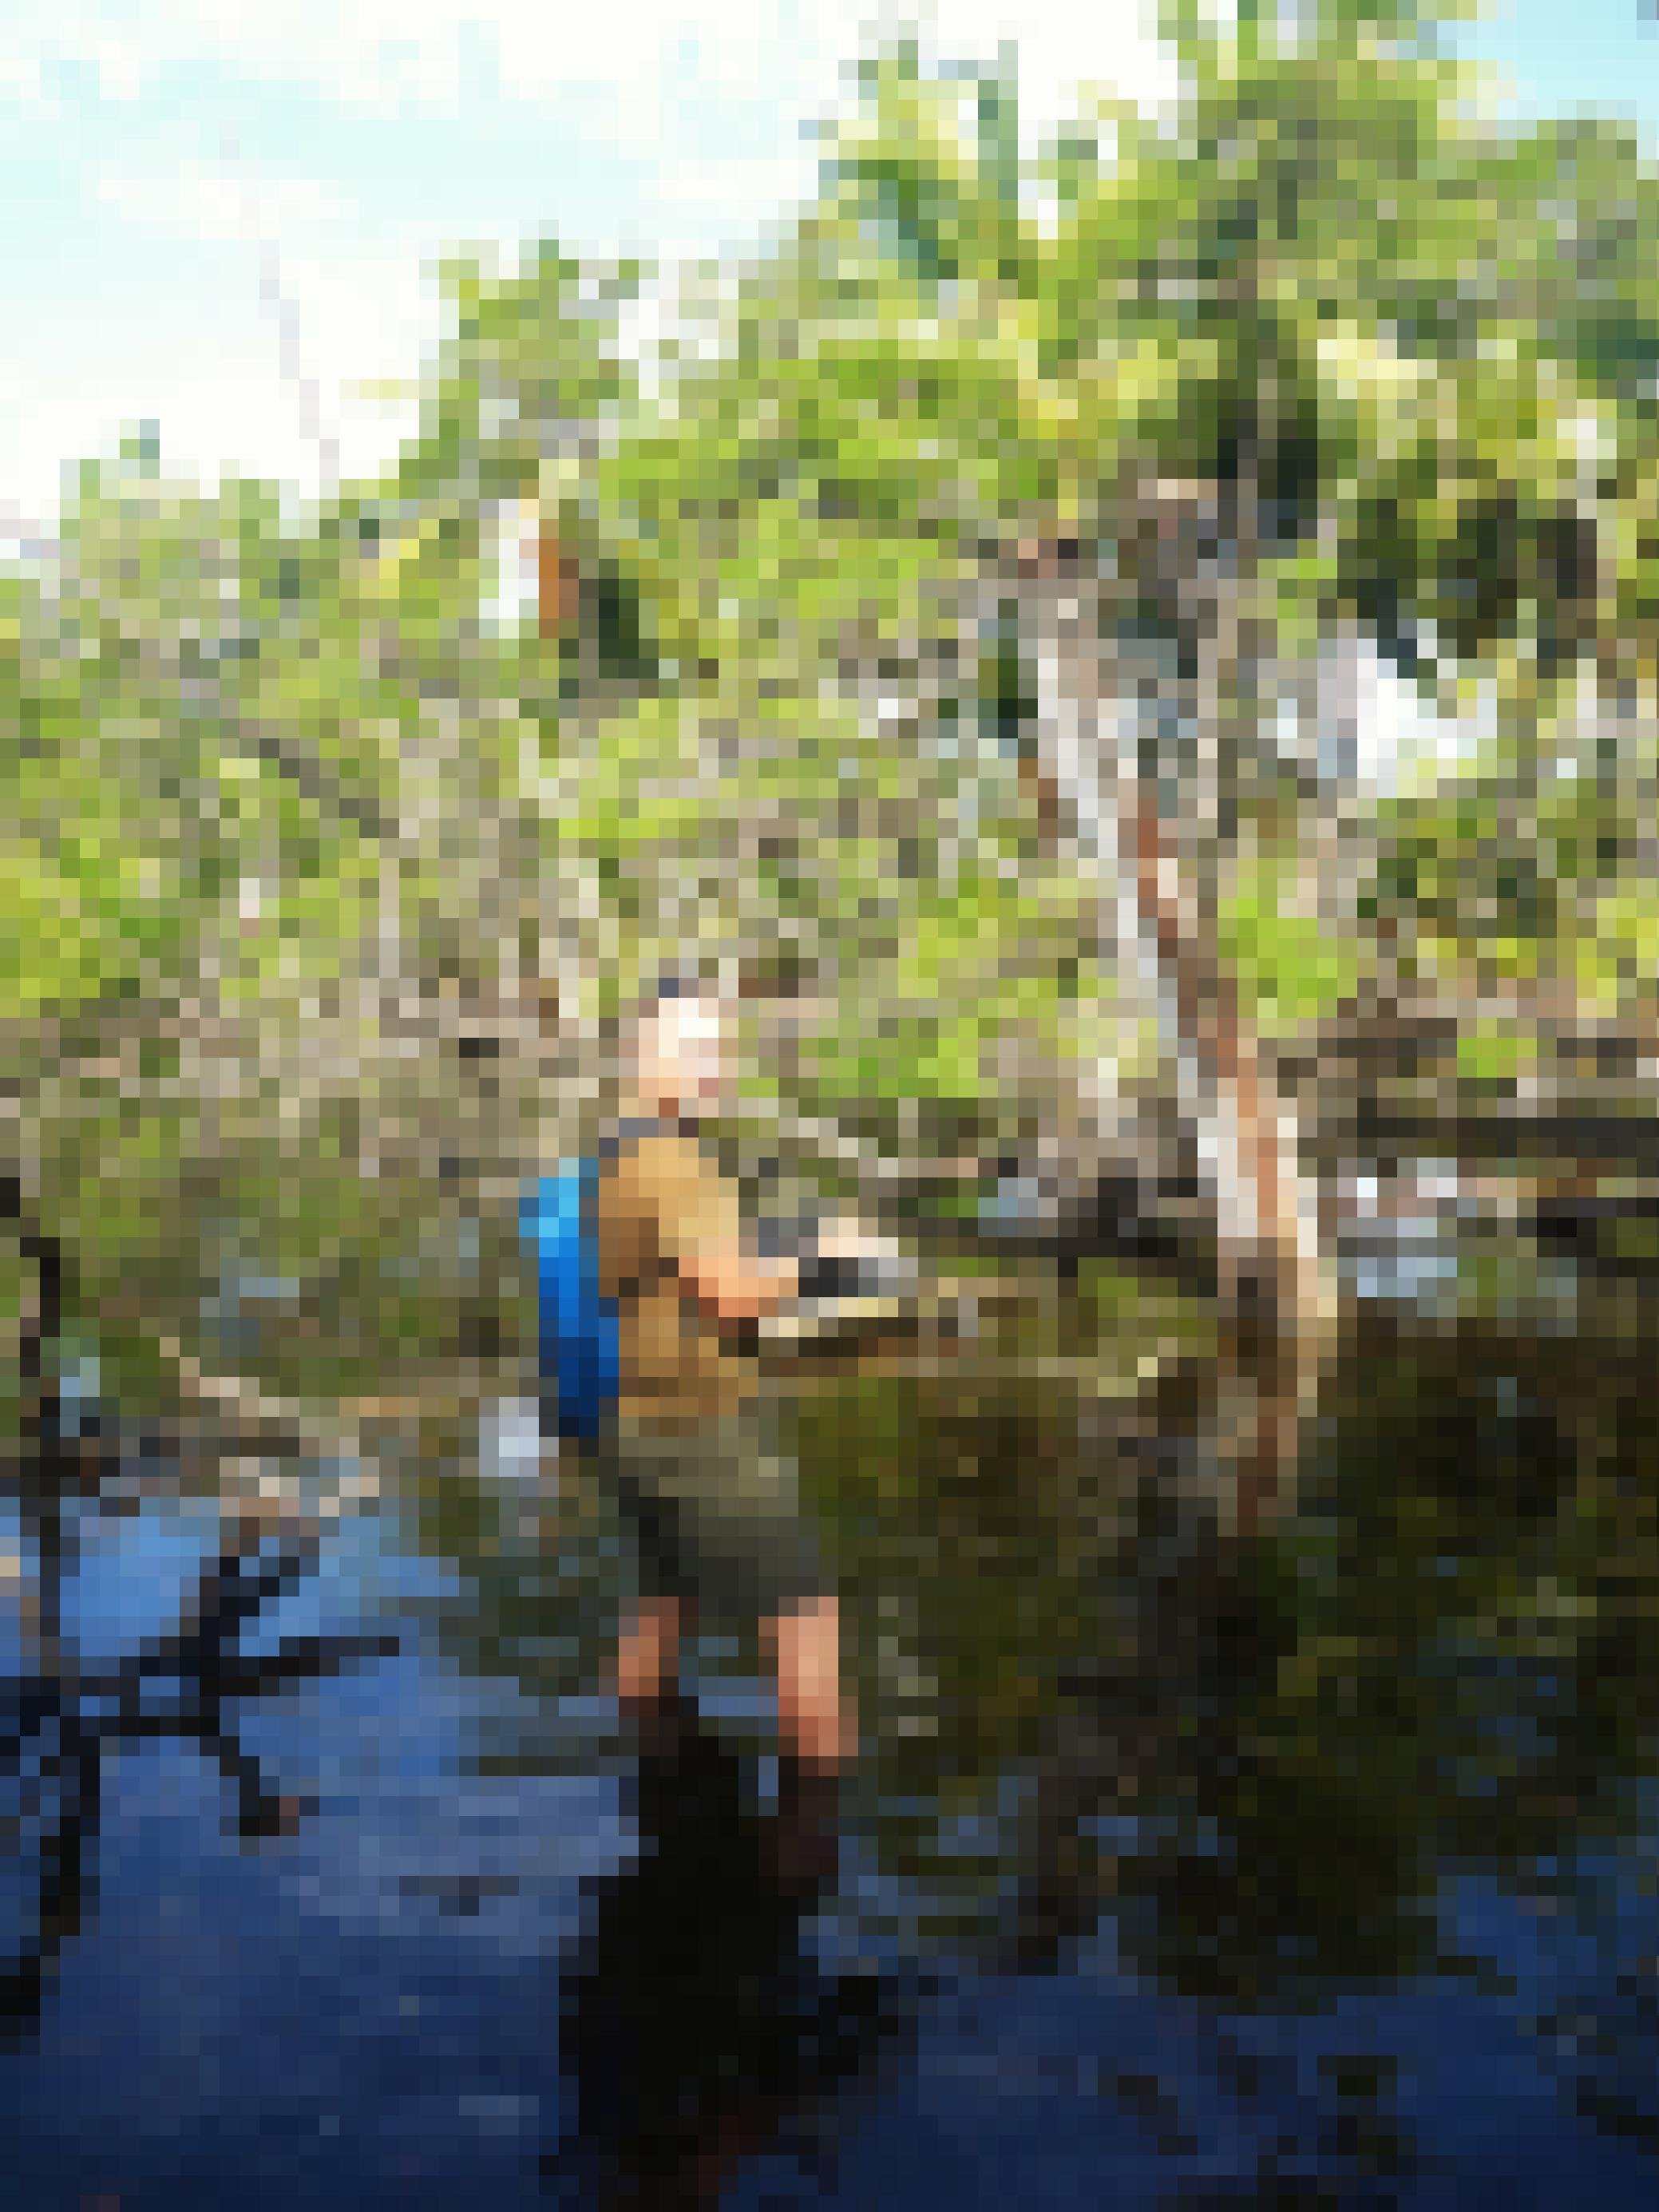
x,y
578,1333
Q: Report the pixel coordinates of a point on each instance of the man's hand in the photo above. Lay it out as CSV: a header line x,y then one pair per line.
x,y
736,1290
732,1288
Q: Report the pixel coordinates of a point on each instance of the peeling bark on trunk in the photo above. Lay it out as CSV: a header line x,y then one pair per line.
x,y
556,581
1276,1283
1260,1188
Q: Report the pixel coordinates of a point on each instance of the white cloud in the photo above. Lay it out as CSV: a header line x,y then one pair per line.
x,y
221,204
707,101
395,56
218,376
1061,51
738,197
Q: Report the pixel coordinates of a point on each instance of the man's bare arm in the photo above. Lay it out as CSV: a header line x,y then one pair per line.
x,y
730,1287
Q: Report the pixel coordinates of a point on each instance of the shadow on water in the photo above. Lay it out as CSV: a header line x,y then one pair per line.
x,y
697,2030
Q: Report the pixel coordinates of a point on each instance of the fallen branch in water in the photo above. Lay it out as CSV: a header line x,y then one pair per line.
x,y
327,1434
235,1395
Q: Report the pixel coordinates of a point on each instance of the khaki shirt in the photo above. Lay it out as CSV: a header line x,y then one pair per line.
x,y
661,1200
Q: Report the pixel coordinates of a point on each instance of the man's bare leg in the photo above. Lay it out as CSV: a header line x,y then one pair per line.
x,y
648,1655
815,1717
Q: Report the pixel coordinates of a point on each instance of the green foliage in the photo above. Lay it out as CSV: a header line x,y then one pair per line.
x,y
1292,966
283,830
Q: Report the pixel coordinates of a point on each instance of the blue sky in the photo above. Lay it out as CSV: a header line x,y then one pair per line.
x,y
371,133
1601,54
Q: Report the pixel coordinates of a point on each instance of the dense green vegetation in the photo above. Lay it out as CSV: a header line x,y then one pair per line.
x,y
317,888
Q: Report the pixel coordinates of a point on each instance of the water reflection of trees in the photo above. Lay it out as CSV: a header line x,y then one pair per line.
x,y
1466,1544
60,1717
1442,1676
1257,1754
1422,1673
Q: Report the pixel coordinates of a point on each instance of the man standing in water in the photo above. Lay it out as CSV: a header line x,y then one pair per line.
x,y
689,1450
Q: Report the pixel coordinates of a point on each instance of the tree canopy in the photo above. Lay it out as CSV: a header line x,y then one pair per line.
x,y
317,892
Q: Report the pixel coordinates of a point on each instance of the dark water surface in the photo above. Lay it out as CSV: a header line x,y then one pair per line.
x,y
1319,1869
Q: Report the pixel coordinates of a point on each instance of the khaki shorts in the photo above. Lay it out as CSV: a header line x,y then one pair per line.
x,y
713,1515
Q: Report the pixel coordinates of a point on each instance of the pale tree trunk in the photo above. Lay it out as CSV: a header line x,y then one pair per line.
x,y
1091,731
1276,1282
